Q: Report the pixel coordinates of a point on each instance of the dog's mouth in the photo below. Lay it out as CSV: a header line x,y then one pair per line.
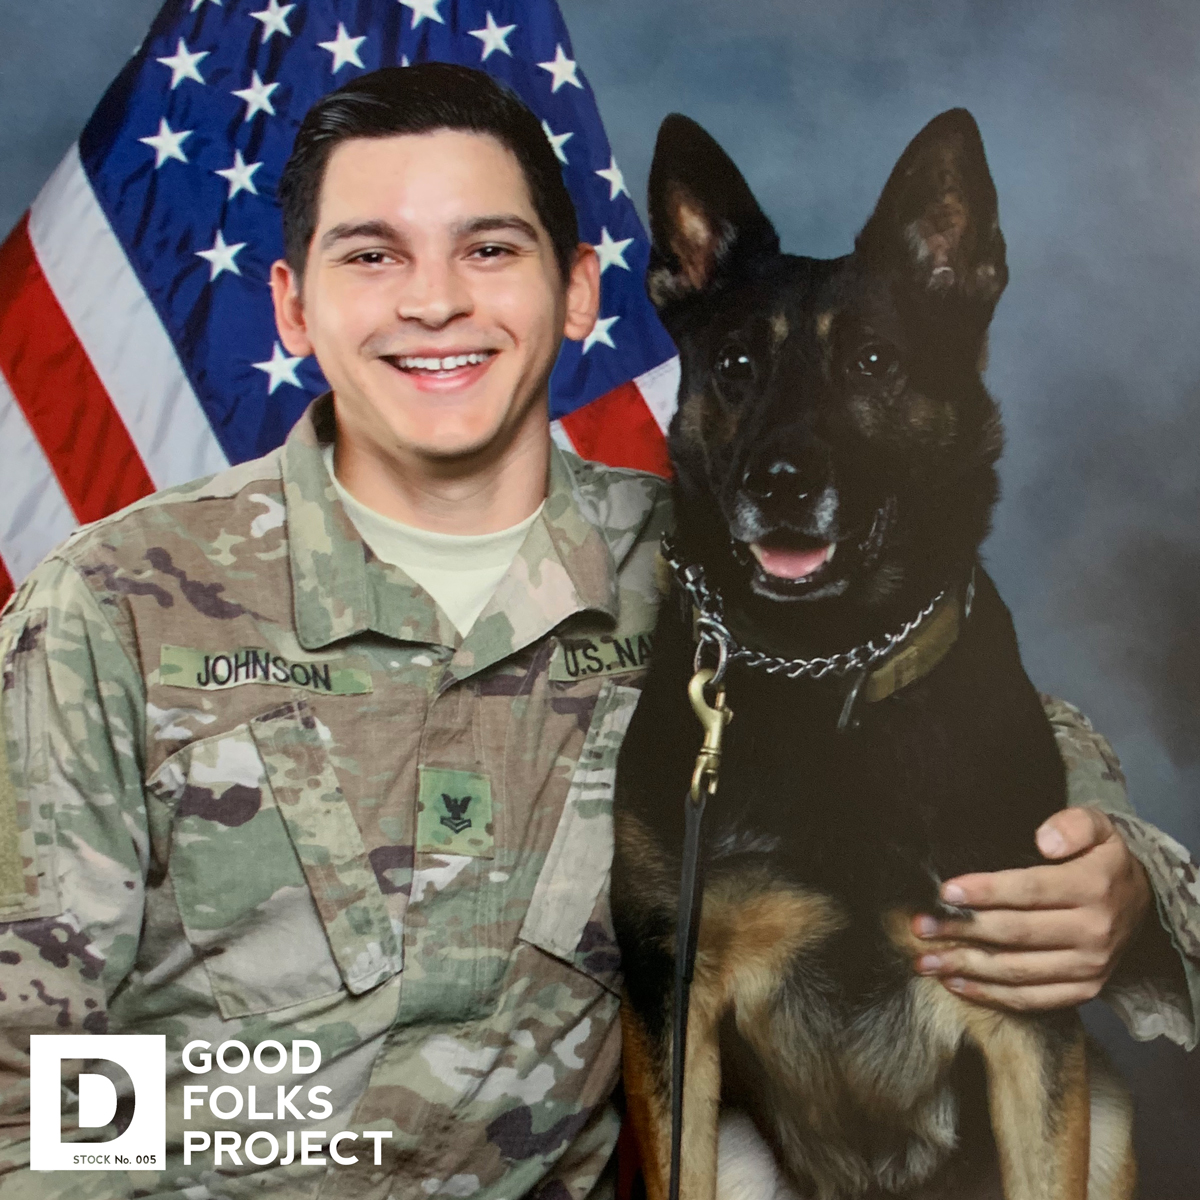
x,y
794,559
787,565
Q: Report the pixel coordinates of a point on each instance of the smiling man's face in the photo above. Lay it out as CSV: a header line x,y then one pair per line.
x,y
432,298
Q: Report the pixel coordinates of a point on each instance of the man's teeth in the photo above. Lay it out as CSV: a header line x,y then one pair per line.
x,y
449,363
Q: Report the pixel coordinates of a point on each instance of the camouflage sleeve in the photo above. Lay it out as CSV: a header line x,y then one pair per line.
x,y
1156,987
73,840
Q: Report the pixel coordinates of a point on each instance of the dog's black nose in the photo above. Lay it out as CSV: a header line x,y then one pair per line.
x,y
766,480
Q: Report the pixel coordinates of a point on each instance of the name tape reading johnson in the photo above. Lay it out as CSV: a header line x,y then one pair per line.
x,y
608,654
181,666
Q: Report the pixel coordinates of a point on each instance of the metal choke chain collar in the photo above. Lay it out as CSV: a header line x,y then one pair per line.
x,y
711,630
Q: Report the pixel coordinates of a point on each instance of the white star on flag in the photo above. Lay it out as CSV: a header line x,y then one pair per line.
x,y
493,37
423,10
240,176
404,60
257,97
280,368
183,64
274,19
166,143
616,181
610,253
562,68
600,333
557,140
344,49
221,256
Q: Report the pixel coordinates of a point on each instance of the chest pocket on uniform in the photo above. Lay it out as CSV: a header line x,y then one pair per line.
x,y
569,915
271,877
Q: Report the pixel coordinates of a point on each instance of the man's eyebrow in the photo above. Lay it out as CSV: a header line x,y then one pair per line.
x,y
499,221
354,229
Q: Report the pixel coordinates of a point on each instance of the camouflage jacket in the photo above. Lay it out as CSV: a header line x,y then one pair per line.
x,y
258,788
262,789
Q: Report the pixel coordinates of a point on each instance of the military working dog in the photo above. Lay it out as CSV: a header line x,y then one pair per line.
x,y
835,453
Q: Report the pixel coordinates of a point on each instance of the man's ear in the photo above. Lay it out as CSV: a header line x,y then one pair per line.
x,y
936,224
289,309
705,225
583,294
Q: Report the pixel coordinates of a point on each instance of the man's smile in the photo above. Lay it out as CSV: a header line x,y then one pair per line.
x,y
440,371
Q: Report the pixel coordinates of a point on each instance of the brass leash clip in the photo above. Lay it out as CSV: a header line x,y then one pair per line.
x,y
713,718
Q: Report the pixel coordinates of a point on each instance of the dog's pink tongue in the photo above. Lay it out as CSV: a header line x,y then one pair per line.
x,y
790,564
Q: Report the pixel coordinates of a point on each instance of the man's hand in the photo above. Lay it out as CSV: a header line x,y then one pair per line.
x,y
1047,936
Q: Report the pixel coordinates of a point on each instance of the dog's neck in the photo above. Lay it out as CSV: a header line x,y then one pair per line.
x,y
869,670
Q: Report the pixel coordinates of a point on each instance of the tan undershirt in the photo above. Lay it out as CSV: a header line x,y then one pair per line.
x,y
460,571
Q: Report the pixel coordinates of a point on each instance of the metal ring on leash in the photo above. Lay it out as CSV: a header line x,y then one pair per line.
x,y
711,630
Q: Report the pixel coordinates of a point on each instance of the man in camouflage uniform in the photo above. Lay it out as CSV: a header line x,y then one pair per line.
x,y
257,787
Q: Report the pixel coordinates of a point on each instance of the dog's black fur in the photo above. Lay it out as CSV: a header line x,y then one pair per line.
x,y
833,401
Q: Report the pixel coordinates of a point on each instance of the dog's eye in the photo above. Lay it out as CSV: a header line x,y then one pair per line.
x,y
875,360
734,365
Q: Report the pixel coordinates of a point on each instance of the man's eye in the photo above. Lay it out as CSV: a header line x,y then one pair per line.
x,y
874,360
491,250
370,258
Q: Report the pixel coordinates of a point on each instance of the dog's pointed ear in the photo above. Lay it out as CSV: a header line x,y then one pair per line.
x,y
936,221
705,225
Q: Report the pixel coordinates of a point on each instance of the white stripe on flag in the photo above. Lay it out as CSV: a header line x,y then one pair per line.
x,y
119,329
561,438
34,513
660,390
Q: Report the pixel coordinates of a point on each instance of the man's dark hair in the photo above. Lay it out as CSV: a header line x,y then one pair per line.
x,y
421,99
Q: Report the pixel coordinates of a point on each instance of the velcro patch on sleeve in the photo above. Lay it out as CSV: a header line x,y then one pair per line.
x,y
12,874
209,671
454,813
608,654
23,714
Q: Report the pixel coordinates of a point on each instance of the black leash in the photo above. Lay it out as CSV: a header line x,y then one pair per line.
x,y
714,717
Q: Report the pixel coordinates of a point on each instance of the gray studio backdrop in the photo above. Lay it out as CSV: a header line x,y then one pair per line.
x,y
1090,113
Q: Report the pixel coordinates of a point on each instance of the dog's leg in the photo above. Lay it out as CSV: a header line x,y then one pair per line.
x,y
1046,1113
1040,1103
648,1096
748,937
646,1101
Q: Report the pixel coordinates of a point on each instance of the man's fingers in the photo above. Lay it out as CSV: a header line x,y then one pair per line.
x,y
1053,929
1073,884
1022,998
1045,936
1022,968
1022,887
1071,831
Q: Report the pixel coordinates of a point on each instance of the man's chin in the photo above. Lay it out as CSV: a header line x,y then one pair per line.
x,y
456,443
441,431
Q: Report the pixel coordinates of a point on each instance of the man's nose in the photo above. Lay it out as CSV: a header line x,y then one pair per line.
x,y
433,294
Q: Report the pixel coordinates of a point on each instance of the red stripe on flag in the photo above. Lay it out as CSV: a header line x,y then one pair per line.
x,y
618,429
59,392
6,584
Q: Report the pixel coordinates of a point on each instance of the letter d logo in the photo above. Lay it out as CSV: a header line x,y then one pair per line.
x,y
143,1144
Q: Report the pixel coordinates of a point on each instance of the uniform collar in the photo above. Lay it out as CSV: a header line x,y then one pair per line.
x,y
567,563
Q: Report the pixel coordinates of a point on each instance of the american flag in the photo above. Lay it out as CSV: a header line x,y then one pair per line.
x,y
137,343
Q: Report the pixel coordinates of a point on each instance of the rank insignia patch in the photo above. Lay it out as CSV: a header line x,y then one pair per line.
x,y
454,813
